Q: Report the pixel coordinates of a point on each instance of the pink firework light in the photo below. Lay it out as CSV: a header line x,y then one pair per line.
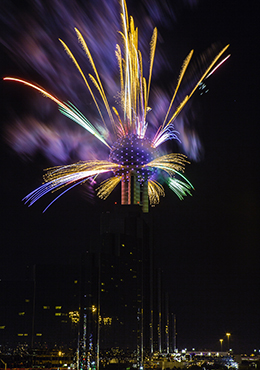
x,y
218,65
133,153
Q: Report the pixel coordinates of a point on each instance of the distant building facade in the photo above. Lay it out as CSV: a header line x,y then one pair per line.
x,y
118,280
38,311
113,298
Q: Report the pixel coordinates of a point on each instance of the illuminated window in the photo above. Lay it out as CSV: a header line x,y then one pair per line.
x,y
74,316
27,300
57,307
102,290
57,313
38,334
2,327
20,335
107,320
75,281
102,283
21,313
26,335
46,307
131,253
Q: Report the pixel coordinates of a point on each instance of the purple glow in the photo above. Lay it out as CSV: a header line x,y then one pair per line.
x,y
124,131
32,39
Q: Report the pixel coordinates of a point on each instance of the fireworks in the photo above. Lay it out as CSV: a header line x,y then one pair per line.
x,y
133,155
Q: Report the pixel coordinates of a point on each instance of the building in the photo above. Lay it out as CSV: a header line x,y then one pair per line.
x,y
16,311
40,312
117,276
112,302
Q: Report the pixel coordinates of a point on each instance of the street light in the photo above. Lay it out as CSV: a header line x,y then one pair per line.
x,y
221,343
228,335
4,363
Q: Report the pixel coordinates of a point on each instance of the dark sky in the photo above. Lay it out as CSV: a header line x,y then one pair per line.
x,y
208,244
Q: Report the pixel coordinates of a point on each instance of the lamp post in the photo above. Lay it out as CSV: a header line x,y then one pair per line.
x,y
221,344
228,335
4,363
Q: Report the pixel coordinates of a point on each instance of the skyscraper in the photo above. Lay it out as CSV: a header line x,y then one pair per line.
x,y
117,275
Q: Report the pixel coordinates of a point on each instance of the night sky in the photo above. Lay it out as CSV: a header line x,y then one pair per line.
x,y
206,245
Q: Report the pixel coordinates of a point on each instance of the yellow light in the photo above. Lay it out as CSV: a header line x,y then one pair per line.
x,y
107,320
74,316
107,186
155,190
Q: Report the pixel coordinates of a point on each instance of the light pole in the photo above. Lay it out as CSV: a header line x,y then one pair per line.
x,y
228,335
221,344
4,363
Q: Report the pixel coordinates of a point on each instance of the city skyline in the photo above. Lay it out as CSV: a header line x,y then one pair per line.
x,y
208,244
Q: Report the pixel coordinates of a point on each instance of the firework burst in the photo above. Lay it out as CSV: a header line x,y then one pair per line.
x,y
133,155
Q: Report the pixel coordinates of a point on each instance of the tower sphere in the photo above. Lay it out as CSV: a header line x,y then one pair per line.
x,y
132,153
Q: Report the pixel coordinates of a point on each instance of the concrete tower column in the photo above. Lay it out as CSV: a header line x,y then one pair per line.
x,y
136,190
145,198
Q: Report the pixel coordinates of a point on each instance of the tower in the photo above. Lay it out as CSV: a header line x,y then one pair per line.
x,y
117,282
133,152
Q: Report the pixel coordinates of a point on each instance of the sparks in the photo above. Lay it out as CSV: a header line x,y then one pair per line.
x,y
134,160
217,66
